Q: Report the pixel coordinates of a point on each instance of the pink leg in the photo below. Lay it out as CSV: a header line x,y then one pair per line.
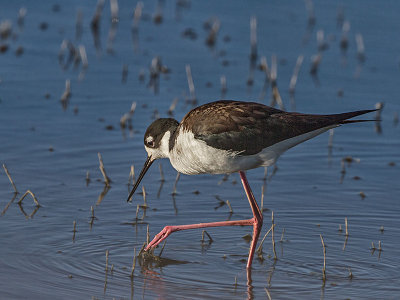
x,y
256,221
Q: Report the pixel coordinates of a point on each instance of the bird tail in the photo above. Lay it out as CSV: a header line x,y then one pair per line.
x,y
343,118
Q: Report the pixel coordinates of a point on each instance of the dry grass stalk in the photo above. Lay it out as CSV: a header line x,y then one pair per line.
x,y
147,235
212,35
283,233
296,71
330,141
132,178
190,83
9,178
83,55
324,267
9,203
21,17
346,227
268,294
273,236
173,106
107,179
262,197
223,86
107,253
162,249
133,263
259,249
360,47
350,274
32,195
137,211
276,97
144,197
229,205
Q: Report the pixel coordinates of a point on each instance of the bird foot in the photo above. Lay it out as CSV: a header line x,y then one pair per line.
x,y
162,235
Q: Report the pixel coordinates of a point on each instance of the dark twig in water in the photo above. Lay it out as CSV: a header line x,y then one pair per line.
x,y
158,15
74,231
162,179
107,179
9,178
209,237
213,32
95,24
66,95
87,179
124,73
178,175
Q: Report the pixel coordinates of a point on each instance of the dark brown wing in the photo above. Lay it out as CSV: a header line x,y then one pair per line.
x,y
249,127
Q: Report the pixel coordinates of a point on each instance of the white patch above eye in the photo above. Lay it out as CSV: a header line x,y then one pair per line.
x,y
149,139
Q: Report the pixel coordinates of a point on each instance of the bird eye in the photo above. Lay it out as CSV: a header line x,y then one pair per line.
x,y
150,143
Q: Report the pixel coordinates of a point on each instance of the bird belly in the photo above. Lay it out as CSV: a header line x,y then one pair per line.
x,y
192,156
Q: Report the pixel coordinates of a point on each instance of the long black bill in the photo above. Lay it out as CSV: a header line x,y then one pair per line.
x,y
146,166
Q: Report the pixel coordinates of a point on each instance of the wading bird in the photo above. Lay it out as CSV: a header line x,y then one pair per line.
x,y
231,136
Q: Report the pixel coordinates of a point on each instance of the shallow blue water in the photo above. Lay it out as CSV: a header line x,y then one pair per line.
x,y
40,259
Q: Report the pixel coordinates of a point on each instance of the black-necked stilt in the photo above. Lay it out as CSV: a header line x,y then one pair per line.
x,y
231,136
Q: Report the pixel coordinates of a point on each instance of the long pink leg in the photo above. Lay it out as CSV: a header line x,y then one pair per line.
x,y
256,221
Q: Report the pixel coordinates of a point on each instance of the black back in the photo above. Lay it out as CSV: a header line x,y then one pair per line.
x,y
249,127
